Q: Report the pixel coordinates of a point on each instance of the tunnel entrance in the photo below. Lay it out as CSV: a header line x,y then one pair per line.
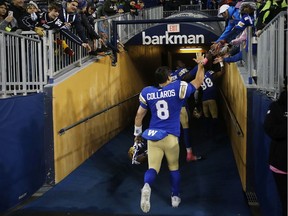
x,y
169,37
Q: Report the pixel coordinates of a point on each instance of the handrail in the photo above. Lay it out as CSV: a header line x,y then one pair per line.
x,y
21,36
232,116
62,131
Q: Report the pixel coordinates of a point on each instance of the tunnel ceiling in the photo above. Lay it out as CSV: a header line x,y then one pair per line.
x,y
180,34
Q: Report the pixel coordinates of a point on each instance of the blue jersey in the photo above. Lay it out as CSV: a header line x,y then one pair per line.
x,y
209,88
165,105
246,20
179,74
233,19
193,71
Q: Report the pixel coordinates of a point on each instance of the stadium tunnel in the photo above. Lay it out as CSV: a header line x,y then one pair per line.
x,y
118,84
176,40
97,94
104,98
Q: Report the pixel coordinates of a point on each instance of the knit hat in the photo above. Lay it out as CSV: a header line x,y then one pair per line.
x,y
33,4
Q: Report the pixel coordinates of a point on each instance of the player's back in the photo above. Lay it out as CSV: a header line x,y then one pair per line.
x,y
208,86
165,105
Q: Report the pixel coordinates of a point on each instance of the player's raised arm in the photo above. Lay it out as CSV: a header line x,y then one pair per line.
x,y
197,82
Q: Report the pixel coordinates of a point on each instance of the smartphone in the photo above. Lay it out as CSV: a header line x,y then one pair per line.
x,y
10,13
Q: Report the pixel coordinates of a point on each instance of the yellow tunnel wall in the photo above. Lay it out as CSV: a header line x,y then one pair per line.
x,y
235,92
99,86
94,88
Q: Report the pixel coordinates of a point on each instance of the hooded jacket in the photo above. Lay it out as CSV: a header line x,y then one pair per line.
x,y
275,126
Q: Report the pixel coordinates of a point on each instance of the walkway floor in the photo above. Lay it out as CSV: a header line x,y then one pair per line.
x,y
108,184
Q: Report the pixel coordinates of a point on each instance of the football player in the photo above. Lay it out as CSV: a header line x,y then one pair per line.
x,y
209,95
179,74
165,102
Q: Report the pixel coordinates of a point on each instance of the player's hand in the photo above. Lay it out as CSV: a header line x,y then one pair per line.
x,y
199,58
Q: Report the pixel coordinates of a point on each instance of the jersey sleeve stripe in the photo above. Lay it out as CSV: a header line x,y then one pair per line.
x,y
142,99
183,89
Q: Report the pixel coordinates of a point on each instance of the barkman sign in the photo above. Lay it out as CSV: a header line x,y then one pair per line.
x,y
172,39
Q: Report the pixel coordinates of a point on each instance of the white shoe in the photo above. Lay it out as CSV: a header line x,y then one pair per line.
x,y
145,198
175,200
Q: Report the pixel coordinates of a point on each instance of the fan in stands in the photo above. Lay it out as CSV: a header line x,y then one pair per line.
x,y
138,152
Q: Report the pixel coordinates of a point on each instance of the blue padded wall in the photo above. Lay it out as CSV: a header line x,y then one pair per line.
x,y
22,168
258,173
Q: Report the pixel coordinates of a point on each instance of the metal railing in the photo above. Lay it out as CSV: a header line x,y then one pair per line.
x,y
271,53
86,119
126,32
269,65
189,8
28,62
20,56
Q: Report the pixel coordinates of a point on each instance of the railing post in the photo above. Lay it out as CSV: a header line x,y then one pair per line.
x,y
249,53
51,61
45,59
23,69
281,52
3,77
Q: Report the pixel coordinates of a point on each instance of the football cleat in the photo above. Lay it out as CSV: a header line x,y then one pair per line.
x,y
175,201
145,198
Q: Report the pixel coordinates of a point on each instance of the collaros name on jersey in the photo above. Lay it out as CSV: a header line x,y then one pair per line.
x,y
161,94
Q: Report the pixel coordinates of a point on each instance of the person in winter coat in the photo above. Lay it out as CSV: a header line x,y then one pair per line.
x,y
275,126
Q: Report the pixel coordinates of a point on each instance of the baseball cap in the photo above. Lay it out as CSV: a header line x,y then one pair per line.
x,y
222,9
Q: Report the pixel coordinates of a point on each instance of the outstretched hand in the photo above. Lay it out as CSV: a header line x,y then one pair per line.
x,y
87,46
215,48
39,31
199,58
217,60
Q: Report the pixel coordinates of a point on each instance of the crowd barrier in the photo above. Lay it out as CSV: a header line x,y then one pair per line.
x,y
269,66
29,62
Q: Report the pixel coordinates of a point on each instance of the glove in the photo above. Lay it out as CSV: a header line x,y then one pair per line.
x,y
39,31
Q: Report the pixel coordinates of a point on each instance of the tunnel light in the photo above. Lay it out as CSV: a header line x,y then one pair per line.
x,y
191,50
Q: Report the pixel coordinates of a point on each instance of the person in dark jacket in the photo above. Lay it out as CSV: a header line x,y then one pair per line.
x,y
18,8
89,26
68,14
275,126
